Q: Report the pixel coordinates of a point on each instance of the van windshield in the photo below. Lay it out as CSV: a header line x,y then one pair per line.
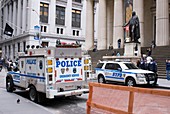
x,y
131,66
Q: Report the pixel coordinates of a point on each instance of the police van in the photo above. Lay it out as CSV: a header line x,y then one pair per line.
x,y
125,72
55,71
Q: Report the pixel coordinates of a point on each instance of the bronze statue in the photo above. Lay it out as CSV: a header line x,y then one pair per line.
x,y
134,27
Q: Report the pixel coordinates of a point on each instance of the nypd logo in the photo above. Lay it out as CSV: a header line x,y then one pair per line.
x,y
31,61
73,63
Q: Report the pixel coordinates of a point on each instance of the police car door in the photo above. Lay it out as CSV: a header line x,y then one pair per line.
x,y
113,72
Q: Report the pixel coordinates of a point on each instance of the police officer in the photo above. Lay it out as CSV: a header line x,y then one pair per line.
x,y
152,66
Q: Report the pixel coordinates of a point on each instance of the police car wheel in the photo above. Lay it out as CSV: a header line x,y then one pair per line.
x,y
101,79
9,84
33,94
130,82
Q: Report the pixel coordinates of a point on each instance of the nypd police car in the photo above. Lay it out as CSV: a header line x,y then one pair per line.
x,y
125,72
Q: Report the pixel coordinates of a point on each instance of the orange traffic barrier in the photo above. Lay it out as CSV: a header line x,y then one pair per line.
x,y
115,99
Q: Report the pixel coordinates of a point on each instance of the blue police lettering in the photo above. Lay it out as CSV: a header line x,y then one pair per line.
x,y
31,61
68,63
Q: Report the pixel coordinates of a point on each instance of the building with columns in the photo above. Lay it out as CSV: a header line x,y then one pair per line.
x,y
106,18
55,19
92,22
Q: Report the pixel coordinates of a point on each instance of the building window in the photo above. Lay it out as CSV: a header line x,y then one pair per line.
x,y
60,15
76,33
24,46
79,1
76,18
18,47
13,47
44,44
60,30
44,12
43,28
9,47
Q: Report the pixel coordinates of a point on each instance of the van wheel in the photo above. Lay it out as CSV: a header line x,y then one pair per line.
x,y
130,82
33,94
9,84
101,79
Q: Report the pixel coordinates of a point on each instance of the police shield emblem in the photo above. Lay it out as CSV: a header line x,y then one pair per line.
x,y
62,70
74,70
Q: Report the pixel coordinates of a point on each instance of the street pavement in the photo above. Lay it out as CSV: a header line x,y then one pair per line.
x,y
9,105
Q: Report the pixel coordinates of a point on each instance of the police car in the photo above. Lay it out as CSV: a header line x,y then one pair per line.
x,y
125,72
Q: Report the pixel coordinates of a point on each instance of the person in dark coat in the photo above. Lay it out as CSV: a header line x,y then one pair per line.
x,y
168,69
134,27
152,66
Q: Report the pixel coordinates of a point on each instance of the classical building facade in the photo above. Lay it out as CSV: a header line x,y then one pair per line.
x,y
92,22
48,19
106,21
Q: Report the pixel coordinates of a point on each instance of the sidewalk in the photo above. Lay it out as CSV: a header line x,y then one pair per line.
x,y
163,83
9,105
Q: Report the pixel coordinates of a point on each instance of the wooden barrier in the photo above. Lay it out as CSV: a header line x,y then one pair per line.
x,y
134,95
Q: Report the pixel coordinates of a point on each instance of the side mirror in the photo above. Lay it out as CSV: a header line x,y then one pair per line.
x,y
119,69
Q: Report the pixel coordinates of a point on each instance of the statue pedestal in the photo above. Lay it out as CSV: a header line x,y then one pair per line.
x,y
130,49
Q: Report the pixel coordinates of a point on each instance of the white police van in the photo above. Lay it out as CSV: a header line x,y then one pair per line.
x,y
125,72
52,71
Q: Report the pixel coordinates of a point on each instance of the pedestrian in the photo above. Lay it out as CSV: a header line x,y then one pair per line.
x,y
148,60
149,51
110,47
142,63
119,43
118,54
168,69
152,66
1,64
113,53
153,45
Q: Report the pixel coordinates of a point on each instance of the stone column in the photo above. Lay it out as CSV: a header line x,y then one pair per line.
x,y
52,10
24,16
110,8
138,7
10,13
0,23
19,18
89,39
101,40
14,17
118,23
68,18
162,22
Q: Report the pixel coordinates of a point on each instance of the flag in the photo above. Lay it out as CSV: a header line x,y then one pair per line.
x,y
8,30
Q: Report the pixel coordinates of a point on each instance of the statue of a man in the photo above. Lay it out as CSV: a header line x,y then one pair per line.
x,y
134,27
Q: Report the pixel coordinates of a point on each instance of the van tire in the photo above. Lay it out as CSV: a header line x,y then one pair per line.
x,y
9,84
101,79
130,82
33,94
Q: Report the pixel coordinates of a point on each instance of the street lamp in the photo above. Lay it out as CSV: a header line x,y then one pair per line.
x,y
37,34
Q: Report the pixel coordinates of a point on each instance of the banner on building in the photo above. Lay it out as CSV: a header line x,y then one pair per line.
x,y
128,14
8,30
36,32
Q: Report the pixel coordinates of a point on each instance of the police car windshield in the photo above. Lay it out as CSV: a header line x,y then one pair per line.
x,y
130,66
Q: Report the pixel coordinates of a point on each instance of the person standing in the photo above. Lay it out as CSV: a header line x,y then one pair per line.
x,y
119,43
152,66
168,69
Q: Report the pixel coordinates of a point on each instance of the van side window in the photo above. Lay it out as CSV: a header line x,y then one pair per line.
x,y
40,64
